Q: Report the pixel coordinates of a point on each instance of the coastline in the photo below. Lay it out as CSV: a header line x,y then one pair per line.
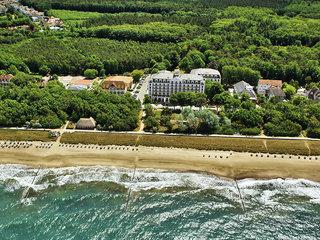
x,y
227,164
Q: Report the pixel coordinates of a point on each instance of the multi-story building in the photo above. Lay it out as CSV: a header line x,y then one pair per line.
x,y
208,74
163,84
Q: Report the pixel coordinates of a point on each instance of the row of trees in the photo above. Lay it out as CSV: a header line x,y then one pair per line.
x,y
188,99
154,31
75,55
203,19
114,6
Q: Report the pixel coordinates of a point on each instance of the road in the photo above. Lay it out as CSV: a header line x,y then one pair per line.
x,y
139,93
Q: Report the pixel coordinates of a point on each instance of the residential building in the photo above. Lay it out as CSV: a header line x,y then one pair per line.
x,y
86,123
265,85
117,84
165,83
314,94
302,92
208,74
276,93
5,79
244,88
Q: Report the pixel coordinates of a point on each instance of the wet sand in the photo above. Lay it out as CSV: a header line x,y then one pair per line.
x,y
224,164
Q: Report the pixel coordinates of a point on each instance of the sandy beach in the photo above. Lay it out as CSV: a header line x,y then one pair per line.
x,y
224,164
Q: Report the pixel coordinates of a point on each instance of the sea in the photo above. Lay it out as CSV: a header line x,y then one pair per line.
x,y
117,203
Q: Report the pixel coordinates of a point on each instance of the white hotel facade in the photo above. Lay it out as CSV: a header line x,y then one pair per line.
x,y
208,74
165,83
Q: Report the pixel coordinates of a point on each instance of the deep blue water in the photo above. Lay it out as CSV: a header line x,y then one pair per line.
x,y
93,203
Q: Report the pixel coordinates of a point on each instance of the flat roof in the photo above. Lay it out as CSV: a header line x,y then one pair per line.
x,y
205,71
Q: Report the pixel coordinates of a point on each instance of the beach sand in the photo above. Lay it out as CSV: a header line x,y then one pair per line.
x,y
224,164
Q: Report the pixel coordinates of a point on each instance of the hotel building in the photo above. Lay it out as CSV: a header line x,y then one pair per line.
x,y
165,83
208,74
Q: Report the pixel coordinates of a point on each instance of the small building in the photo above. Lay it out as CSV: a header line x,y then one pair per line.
x,y
301,92
5,79
276,93
245,88
117,84
80,84
265,84
208,74
314,94
86,123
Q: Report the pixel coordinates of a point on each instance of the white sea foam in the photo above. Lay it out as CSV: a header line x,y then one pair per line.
x,y
15,177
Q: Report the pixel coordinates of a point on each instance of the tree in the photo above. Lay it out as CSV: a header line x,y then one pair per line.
x,y
194,59
12,70
147,99
188,99
233,74
289,90
247,118
44,70
285,128
137,74
213,88
91,73
151,123
208,122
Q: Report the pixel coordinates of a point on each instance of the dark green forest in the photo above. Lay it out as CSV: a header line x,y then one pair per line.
x,y
278,39
244,40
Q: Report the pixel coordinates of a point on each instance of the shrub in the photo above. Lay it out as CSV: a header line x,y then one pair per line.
x,y
226,130
250,131
313,132
286,129
91,73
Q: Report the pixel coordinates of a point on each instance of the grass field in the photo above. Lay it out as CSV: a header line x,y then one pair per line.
x,y
99,138
284,146
204,143
20,135
296,147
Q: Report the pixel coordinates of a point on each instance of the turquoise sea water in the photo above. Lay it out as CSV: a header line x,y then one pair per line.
x,y
93,203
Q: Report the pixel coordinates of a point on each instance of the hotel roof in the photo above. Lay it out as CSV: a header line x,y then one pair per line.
x,y
205,71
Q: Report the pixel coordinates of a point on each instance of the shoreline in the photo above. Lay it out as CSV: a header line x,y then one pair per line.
x,y
226,164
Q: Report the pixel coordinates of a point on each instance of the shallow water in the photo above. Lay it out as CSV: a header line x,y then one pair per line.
x,y
108,203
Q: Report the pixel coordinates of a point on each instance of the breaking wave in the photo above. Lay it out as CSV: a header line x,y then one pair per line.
x,y
18,177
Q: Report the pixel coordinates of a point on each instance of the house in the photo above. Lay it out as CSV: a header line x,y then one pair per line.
x,y
244,88
5,79
86,123
165,83
53,23
276,93
314,94
117,84
265,85
208,74
301,92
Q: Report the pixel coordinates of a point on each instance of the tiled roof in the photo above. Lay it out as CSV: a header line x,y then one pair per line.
x,y
127,80
6,77
272,83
